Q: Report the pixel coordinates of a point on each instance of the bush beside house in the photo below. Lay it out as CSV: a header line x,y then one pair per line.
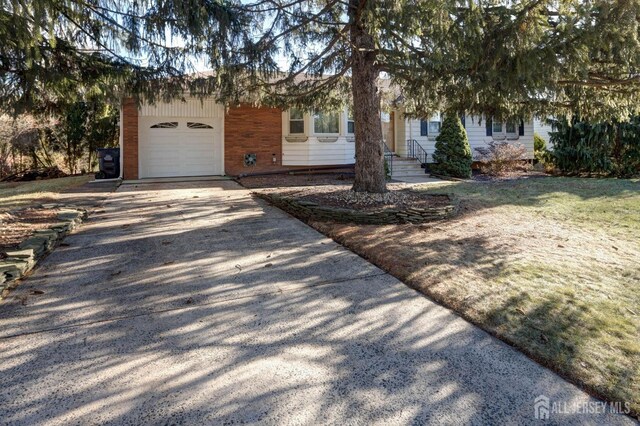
x,y
539,148
452,156
607,148
500,158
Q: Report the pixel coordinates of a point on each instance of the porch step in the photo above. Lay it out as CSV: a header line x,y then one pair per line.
x,y
404,160
406,167
408,174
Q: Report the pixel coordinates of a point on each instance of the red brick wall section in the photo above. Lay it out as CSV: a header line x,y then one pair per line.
x,y
130,139
251,130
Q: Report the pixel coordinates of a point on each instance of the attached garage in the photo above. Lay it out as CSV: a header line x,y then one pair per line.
x,y
190,137
177,146
181,138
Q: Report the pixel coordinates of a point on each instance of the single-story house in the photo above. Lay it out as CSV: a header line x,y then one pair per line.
x,y
191,137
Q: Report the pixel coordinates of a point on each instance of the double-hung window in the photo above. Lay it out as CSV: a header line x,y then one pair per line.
x,y
434,126
511,130
326,122
351,124
296,121
504,130
431,127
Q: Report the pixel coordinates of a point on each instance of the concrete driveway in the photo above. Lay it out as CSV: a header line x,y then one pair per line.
x,y
193,303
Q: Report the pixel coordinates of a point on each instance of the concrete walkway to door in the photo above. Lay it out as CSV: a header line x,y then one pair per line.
x,y
193,303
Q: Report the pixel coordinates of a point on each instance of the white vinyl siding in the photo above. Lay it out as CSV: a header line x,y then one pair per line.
x,y
541,127
476,133
316,153
325,141
191,107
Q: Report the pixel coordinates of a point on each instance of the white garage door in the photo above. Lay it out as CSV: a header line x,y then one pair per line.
x,y
179,146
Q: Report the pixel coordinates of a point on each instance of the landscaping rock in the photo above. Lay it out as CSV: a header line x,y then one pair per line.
x,y
18,262
37,244
305,210
20,254
14,268
71,215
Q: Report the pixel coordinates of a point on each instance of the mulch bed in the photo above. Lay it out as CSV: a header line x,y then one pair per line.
x,y
333,191
396,198
18,225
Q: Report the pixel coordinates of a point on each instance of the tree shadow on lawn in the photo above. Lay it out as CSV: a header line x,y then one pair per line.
x,y
566,337
538,192
560,330
151,322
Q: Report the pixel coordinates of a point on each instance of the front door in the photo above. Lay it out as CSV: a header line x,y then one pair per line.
x,y
388,130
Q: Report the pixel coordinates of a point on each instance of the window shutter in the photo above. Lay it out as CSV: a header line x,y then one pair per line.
x,y
424,128
489,124
462,118
521,128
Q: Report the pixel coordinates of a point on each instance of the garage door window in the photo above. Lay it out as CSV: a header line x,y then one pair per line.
x,y
192,125
165,125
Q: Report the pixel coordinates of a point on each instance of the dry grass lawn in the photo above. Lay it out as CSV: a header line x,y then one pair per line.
x,y
20,210
14,195
551,265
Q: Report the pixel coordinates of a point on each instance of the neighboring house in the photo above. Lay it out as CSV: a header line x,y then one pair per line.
x,y
200,138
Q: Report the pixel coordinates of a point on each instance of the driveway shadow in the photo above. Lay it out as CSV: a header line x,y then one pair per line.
x,y
198,304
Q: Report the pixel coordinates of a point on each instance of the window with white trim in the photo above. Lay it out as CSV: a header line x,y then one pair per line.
x,y
434,127
351,124
504,130
296,121
431,127
326,122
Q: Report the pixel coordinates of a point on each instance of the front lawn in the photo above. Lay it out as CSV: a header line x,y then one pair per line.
x,y
550,265
24,194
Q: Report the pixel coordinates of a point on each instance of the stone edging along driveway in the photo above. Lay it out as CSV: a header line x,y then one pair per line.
x,y
306,210
20,262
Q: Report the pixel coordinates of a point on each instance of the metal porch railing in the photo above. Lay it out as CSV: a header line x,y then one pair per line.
x,y
415,150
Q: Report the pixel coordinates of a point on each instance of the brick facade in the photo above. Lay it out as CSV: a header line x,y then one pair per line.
x,y
251,130
129,139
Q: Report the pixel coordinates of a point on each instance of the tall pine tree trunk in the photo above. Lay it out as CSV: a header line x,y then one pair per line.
x,y
370,175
